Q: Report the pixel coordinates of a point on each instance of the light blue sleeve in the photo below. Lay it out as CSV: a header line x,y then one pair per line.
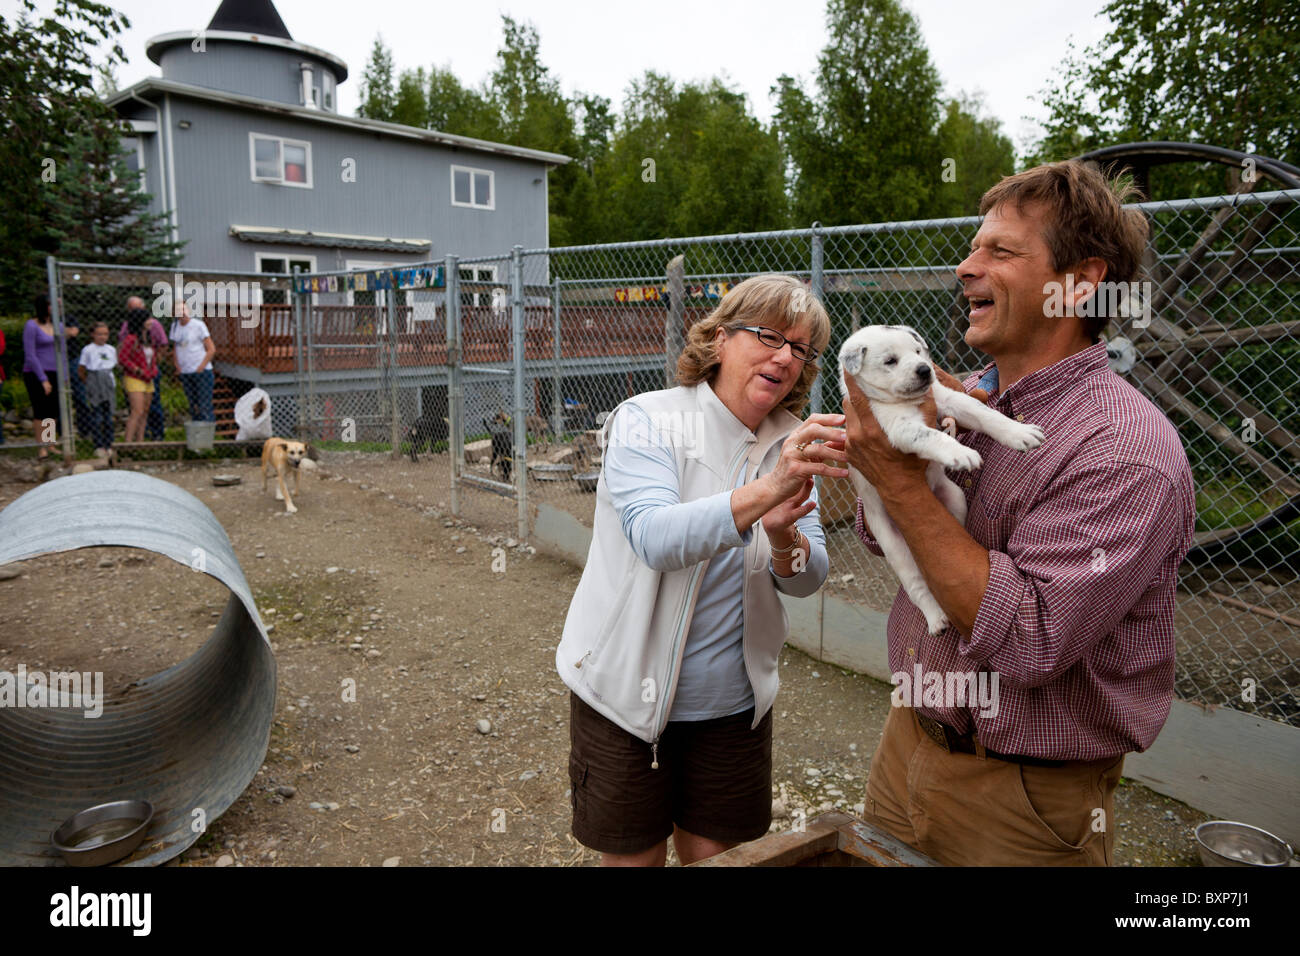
x,y
641,476
813,576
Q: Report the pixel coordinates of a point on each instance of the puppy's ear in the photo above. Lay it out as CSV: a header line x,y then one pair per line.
x,y
916,335
851,361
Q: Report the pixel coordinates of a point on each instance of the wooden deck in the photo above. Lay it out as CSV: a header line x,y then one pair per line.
x,y
354,337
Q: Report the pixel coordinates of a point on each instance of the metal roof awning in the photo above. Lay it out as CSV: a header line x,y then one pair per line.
x,y
329,240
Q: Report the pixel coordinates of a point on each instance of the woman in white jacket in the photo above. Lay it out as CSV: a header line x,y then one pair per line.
x,y
705,509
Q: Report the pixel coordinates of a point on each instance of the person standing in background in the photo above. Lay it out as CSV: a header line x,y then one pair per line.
x,y
80,410
40,374
95,371
140,371
193,357
155,338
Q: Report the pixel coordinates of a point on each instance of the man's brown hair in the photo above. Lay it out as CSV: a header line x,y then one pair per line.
x,y
1084,218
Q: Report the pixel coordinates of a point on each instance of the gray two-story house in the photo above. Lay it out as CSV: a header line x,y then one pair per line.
x,y
241,146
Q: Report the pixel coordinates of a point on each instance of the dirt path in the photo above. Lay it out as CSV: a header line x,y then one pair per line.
x,y
436,641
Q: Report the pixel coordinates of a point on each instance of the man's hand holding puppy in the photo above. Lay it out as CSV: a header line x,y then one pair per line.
x,y
955,566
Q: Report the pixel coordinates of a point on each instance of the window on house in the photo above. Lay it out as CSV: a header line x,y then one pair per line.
x,y
133,156
327,88
478,296
472,187
283,161
281,264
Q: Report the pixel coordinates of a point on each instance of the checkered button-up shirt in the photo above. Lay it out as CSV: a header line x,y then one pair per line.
x,y
1085,535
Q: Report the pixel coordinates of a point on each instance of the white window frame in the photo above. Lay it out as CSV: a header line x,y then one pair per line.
x,y
492,187
257,266
482,299
253,137
139,160
328,92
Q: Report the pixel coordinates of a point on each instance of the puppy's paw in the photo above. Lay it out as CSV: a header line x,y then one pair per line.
x,y
936,621
962,459
291,509
278,496
1023,437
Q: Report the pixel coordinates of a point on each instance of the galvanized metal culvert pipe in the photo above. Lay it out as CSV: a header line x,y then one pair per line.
x,y
187,739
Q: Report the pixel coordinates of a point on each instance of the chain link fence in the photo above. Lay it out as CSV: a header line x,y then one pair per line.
x,y
508,364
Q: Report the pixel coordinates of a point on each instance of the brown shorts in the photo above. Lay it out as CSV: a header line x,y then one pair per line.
x,y
714,780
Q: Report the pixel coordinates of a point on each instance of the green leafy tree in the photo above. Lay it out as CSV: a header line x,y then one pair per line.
x,y
864,147
975,156
410,106
454,108
1219,72
378,94
47,69
100,214
689,159
533,111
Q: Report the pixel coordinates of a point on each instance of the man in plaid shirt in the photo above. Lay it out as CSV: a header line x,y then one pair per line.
x,y
1062,582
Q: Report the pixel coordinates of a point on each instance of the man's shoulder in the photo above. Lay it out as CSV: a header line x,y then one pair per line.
x,y
1124,427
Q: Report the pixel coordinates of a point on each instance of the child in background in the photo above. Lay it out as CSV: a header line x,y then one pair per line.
x,y
98,359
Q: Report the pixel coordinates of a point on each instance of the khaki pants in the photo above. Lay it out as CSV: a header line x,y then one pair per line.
x,y
965,810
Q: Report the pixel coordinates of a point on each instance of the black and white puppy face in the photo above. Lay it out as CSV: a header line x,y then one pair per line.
x,y
890,363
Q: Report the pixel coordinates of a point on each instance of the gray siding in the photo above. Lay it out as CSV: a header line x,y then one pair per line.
x,y
268,72
155,182
402,190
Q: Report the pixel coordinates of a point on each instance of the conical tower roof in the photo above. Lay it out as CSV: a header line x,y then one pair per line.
x,y
250,16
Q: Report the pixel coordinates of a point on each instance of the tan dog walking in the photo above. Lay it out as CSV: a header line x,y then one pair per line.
x,y
280,454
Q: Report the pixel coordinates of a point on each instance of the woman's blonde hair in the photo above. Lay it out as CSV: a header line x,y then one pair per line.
x,y
772,300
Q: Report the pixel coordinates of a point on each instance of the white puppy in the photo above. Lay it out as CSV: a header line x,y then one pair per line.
x,y
891,365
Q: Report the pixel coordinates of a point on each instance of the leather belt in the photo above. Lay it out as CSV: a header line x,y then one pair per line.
x,y
953,742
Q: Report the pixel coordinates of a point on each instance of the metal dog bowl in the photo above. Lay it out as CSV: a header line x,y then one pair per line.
x,y
549,472
588,480
104,833
1225,843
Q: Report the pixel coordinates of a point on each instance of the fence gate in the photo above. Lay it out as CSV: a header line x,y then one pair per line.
x,y
485,350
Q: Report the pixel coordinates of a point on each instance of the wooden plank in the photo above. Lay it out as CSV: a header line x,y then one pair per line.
x,y
1240,336
1175,401
784,849
877,847
1231,764
1199,248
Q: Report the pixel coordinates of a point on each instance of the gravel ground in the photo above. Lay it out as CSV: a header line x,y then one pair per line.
x,y
455,749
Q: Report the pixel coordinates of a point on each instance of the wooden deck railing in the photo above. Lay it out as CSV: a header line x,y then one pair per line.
x,y
352,337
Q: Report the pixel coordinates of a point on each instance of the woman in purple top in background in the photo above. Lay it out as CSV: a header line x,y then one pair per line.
x,y
40,373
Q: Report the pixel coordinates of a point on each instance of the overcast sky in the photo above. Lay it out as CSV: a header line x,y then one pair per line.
x,y
1007,50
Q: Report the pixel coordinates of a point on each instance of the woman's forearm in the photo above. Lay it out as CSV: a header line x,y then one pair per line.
x,y
751,501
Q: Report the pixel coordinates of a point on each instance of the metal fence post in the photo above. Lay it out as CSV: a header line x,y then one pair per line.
x,y
455,390
521,434
674,318
818,256
557,402
299,358
818,264
393,366
61,353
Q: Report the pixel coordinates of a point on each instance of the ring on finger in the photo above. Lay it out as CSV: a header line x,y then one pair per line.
x,y
801,446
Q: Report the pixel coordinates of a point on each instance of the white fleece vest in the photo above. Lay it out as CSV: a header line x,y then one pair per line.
x,y
625,633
